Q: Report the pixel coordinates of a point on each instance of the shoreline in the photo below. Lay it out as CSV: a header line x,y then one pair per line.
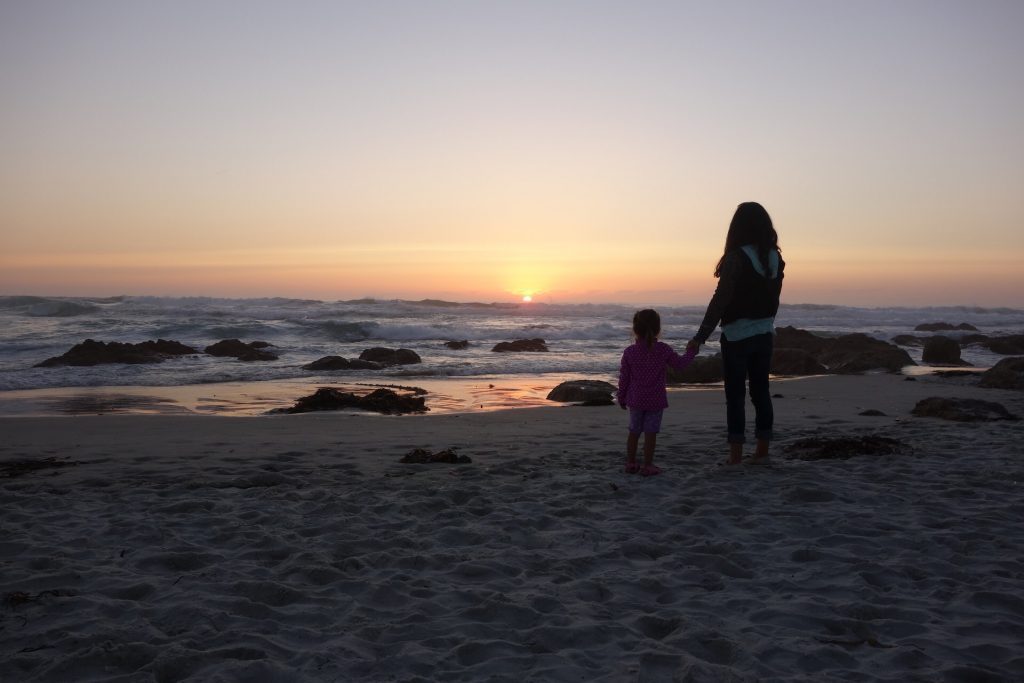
x,y
448,395
481,393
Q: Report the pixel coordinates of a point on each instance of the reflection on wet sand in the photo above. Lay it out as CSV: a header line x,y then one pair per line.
x,y
443,395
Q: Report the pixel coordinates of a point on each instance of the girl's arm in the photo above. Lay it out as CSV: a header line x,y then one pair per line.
x,y
623,390
678,362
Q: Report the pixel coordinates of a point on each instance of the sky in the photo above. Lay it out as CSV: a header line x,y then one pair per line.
x,y
478,150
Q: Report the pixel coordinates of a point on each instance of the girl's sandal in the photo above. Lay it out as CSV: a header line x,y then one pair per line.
x,y
632,468
650,470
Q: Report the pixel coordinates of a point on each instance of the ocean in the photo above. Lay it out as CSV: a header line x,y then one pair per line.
x,y
584,340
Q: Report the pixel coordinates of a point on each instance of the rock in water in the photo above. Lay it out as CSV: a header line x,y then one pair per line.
x,y
385,356
338,363
234,348
941,350
92,352
531,345
943,327
1010,345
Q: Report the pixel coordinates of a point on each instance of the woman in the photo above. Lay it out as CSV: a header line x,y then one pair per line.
x,y
746,300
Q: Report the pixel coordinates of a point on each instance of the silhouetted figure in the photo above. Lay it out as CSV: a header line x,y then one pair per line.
x,y
642,375
746,300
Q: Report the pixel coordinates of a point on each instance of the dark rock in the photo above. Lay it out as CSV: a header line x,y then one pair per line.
x,y
448,455
233,348
908,340
793,338
328,363
390,356
532,345
939,350
853,354
457,345
842,448
339,363
848,354
872,413
92,352
943,327
1011,345
1006,374
962,410
795,362
379,401
703,370
583,390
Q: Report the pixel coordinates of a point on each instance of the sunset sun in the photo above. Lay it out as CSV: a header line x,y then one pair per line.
x,y
527,298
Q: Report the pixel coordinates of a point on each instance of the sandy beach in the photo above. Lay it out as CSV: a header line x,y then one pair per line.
x,y
298,548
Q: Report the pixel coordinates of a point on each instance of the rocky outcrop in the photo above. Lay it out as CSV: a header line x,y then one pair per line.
x,y
457,345
853,354
845,355
1010,345
795,362
92,352
1006,374
531,345
383,401
390,356
703,370
793,338
589,391
945,327
328,363
233,348
962,410
939,350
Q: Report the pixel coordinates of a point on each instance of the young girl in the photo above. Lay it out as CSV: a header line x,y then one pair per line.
x,y
642,386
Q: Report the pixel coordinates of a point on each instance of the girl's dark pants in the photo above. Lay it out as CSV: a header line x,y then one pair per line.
x,y
748,358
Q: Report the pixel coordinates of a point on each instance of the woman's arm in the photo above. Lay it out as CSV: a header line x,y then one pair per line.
x,y
731,268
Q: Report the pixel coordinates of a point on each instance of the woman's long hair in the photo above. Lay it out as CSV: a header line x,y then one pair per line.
x,y
751,224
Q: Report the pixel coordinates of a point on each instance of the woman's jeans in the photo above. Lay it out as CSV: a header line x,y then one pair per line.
x,y
750,357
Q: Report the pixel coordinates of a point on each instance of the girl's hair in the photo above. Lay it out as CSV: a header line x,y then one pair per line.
x,y
751,224
647,325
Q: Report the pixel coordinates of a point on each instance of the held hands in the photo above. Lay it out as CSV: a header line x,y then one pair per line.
x,y
692,345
